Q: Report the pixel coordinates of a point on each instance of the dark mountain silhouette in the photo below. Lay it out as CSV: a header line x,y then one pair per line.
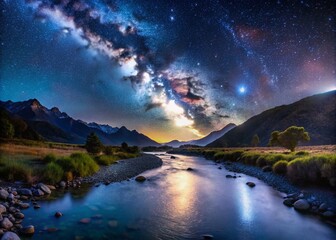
x,y
54,125
205,140
213,136
316,114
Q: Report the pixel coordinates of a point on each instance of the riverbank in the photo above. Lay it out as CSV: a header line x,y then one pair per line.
x,y
320,201
124,169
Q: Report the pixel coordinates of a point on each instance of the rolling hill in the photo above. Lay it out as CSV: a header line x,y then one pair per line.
x,y
317,114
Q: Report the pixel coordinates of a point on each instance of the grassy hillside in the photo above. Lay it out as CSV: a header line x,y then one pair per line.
x,y
316,114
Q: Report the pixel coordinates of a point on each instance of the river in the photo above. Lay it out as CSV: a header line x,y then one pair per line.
x,y
176,204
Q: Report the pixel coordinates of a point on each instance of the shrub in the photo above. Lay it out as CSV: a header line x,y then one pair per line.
x,y
49,158
108,150
261,161
12,171
53,173
106,160
301,153
280,167
123,155
79,164
250,158
315,169
228,156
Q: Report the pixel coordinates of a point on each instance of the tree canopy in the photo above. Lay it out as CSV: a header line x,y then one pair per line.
x,y
93,144
255,140
289,138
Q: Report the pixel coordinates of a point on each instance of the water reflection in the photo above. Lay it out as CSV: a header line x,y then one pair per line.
x,y
246,210
176,204
182,192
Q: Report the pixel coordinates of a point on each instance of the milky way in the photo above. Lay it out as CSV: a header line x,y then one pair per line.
x,y
168,68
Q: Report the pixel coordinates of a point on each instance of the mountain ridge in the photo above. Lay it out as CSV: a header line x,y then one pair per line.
x,y
316,114
54,125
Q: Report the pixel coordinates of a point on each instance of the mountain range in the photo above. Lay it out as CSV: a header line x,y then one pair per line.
x,y
54,125
205,140
317,114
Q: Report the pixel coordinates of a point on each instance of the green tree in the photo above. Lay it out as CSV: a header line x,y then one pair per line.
x,y
93,144
255,140
124,146
289,138
6,128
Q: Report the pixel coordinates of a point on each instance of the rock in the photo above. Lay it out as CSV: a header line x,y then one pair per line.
x,y
6,224
301,205
140,178
219,167
189,169
2,209
85,220
28,231
3,194
10,236
19,215
267,169
229,176
12,210
37,206
250,184
207,236
288,202
38,193
58,214
11,197
24,205
25,192
62,184
172,157
328,214
51,187
44,188
323,207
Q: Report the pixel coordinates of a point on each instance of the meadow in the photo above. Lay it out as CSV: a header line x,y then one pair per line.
x,y
34,161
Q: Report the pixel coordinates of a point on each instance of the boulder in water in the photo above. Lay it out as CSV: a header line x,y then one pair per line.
x,y
301,205
140,178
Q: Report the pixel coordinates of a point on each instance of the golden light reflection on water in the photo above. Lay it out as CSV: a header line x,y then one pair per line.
x,y
182,195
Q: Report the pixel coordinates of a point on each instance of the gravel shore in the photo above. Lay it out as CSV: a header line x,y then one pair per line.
x,y
281,183
124,169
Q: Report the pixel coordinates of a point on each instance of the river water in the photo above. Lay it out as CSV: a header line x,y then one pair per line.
x,y
176,204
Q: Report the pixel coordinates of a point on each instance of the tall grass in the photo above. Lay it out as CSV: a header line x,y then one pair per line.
x,y
313,169
52,173
14,170
79,164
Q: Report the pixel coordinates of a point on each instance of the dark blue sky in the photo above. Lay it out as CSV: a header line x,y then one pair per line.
x,y
170,69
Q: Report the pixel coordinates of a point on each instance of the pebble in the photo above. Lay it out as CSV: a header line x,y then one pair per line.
x,y
85,220
10,236
58,214
250,184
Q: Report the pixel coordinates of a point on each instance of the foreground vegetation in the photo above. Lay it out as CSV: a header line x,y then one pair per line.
x,y
300,167
33,161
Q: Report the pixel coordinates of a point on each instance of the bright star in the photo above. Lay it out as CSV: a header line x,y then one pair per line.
x,y
172,18
242,90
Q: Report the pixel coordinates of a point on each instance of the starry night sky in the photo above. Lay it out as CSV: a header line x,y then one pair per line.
x,y
170,69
